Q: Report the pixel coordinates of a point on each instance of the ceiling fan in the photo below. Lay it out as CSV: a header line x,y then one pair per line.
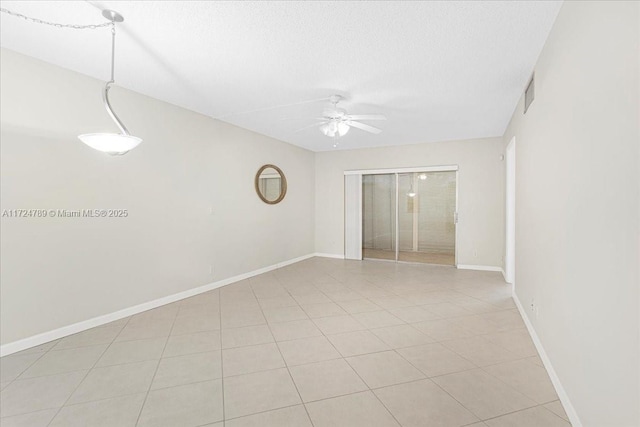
x,y
335,122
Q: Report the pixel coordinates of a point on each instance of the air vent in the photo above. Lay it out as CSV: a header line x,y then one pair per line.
x,y
529,94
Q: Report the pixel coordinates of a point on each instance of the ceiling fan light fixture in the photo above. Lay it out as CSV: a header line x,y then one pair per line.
x,y
343,128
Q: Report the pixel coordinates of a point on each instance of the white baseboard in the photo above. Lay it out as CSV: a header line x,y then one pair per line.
x,y
74,328
337,256
562,394
478,267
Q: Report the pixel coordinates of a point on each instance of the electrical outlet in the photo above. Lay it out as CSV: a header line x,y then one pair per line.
x,y
534,307
475,253
211,270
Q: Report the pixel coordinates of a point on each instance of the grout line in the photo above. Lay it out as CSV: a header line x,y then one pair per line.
x,y
80,383
281,355
224,417
144,402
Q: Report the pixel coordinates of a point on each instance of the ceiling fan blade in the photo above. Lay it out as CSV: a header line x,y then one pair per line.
x,y
364,127
367,117
310,126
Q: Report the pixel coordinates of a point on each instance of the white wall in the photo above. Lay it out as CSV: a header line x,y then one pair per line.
x,y
480,192
577,199
57,271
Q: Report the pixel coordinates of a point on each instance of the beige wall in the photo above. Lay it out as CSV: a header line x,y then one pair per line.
x,y
480,192
577,198
59,271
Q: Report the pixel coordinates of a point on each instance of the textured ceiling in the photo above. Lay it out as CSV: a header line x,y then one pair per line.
x,y
437,70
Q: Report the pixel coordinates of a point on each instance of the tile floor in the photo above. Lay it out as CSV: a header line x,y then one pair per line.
x,y
319,343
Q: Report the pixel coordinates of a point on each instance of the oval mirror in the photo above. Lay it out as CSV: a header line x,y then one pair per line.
x,y
271,185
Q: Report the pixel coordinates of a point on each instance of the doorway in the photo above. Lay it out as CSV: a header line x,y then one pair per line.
x,y
410,216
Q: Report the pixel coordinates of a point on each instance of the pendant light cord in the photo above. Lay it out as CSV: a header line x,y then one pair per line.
x,y
113,50
54,24
105,93
112,24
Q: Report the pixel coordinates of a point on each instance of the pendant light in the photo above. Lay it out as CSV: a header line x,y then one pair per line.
x,y
115,144
411,193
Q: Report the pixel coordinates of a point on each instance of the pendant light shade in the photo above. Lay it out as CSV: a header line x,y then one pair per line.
x,y
111,143
115,144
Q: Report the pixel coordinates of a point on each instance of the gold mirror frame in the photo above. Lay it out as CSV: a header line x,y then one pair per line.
x,y
283,184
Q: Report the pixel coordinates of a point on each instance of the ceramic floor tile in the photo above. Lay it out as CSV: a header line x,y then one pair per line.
x,y
358,342
354,410
443,330
391,302
295,329
324,309
359,306
326,379
113,381
35,394
557,408
190,368
248,335
238,320
377,319
94,336
193,343
338,324
343,296
480,351
516,341
534,417
188,405
193,324
60,361
422,403
478,324
145,330
526,377
284,314
510,319
383,369
259,392
276,302
397,325
447,310
413,314
293,416
312,298
33,419
118,411
14,365
483,394
435,359
401,336
307,350
244,360
132,351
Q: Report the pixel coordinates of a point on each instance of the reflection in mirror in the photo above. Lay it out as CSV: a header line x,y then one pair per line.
x,y
271,185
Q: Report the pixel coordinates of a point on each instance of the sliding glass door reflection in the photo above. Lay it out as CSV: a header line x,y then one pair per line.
x,y
410,217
